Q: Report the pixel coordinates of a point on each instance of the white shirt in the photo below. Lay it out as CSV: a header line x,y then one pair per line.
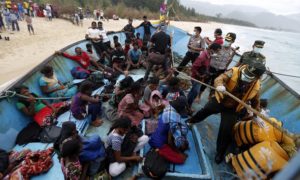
x,y
104,35
93,33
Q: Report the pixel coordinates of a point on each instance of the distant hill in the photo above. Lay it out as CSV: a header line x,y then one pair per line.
x,y
213,9
294,16
258,16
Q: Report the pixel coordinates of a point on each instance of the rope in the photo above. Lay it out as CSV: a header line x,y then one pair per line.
x,y
248,107
288,75
10,94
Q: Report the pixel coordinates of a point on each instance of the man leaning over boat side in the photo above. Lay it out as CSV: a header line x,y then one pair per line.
x,y
244,83
253,56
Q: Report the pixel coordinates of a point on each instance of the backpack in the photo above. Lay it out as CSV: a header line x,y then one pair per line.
x,y
79,73
96,77
92,148
155,166
50,134
29,134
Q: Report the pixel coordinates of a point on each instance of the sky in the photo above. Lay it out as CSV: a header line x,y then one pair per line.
x,y
275,6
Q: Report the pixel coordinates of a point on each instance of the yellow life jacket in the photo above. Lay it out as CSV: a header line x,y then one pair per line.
x,y
248,132
260,160
233,82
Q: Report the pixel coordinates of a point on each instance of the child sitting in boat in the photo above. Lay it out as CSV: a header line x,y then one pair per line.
x,y
152,97
118,59
172,91
42,112
83,104
70,164
114,143
51,86
129,105
90,155
153,84
120,91
134,57
170,137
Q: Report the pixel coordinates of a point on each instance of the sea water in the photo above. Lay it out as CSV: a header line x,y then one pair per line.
x,y
282,49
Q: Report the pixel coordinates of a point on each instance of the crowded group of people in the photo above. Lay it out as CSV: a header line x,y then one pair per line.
x,y
158,99
12,12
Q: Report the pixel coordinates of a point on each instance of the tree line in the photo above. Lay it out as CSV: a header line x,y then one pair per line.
x,y
136,8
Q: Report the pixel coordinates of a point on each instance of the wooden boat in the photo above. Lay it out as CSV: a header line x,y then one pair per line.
x,y
283,104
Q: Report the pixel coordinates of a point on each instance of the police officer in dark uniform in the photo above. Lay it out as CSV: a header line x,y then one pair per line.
x,y
253,56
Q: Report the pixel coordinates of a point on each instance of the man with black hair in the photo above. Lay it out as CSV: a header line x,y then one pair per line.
x,y
161,40
244,83
147,28
118,59
115,41
158,59
129,29
220,62
218,37
254,55
195,45
94,35
106,40
200,71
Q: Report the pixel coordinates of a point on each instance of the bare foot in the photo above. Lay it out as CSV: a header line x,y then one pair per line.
x,y
97,123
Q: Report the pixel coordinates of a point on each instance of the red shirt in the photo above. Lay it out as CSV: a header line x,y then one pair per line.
x,y
83,59
140,43
219,40
201,64
126,48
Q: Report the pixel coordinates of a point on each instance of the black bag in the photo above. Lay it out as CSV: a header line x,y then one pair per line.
x,y
50,134
130,141
3,161
31,133
155,166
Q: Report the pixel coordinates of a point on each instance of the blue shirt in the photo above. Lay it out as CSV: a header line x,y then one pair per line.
x,y
134,55
169,121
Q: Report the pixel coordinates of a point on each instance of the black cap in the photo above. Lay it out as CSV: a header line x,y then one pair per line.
x,y
180,105
259,43
230,37
144,17
255,70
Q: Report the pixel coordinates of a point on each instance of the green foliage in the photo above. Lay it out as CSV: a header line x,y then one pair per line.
x,y
138,8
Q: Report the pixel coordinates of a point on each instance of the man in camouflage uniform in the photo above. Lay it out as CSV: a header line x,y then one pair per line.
x,y
253,56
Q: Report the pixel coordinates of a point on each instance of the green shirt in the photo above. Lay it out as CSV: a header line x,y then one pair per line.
x,y
251,58
37,105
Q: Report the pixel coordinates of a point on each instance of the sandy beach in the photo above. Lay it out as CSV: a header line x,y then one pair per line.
x,y
23,52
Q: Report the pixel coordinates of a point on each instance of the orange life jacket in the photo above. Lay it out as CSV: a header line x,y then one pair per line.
x,y
233,82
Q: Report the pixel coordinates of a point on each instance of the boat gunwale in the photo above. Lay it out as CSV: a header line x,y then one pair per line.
x,y
51,57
